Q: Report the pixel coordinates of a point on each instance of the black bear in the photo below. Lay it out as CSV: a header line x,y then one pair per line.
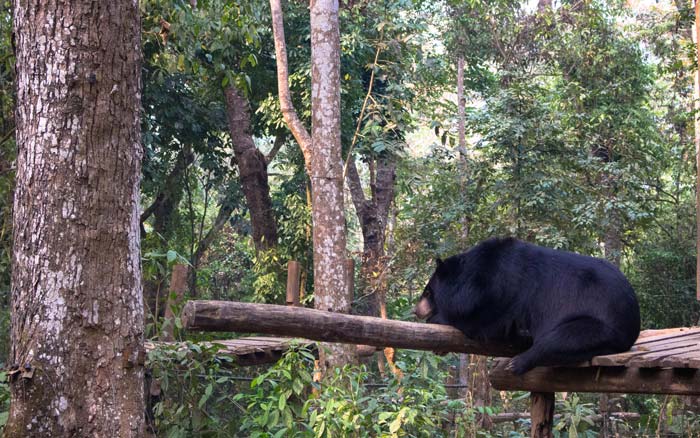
x,y
570,307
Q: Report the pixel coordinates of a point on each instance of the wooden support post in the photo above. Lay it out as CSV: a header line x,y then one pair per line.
x,y
542,414
604,409
350,272
178,286
451,381
293,283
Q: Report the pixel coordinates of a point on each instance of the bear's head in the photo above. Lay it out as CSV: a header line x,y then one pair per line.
x,y
427,308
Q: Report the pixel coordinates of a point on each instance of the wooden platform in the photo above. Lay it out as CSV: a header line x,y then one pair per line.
x,y
676,348
660,362
253,350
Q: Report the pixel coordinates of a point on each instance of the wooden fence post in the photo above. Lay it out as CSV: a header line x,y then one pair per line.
x,y
350,271
293,283
542,414
178,286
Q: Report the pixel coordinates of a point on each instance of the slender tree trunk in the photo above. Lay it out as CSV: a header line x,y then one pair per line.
x,y
612,233
613,251
373,215
164,209
462,144
697,150
331,291
461,110
225,210
77,311
252,168
289,114
169,196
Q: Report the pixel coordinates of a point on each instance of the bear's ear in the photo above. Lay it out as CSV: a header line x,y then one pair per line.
x,y
439,263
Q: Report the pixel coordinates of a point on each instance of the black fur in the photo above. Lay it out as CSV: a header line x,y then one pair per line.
x,y
571,307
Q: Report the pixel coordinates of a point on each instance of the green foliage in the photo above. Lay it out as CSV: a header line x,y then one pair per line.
x,y
7,147
4,400
278,405
196,390
575,420
284,401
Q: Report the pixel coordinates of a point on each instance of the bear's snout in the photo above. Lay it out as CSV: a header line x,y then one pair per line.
x,y
423,310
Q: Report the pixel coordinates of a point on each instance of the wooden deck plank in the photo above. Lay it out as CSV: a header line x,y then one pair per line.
x,y
251,341
681,332
272,338
676,357
639,351
658,332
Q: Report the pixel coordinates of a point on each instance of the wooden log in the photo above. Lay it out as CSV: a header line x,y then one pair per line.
x,y
325,326
506,417
542,414
293,283
679,381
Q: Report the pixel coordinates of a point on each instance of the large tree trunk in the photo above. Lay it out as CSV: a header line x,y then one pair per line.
x,y
77,311
252,168
331,291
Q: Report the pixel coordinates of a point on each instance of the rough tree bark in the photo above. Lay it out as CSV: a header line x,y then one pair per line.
x,y
252,169
461,111
373,214
77,311
322,156
612,243
289,114
331,291
697,150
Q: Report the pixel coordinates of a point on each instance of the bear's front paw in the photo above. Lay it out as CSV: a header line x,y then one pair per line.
x,y
518,366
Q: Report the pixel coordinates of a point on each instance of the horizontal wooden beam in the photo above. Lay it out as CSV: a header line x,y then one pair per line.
x,y
318,325
679,381
506,417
